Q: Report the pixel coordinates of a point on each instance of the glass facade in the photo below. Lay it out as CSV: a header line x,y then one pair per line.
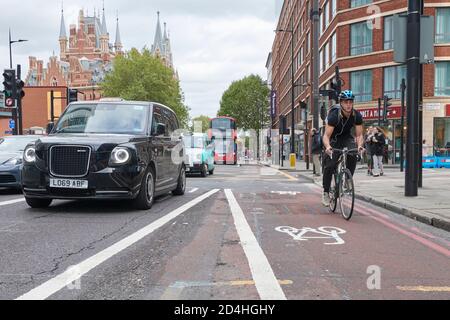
x,y
442,79
361,84
360,39
442,136
443,25
392,80
389,33
358,3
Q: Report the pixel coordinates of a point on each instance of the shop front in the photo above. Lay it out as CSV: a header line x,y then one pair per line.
x,y
392,130
442,134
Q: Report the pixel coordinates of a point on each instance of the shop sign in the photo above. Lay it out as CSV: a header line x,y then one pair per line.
x,y
372,113
432,106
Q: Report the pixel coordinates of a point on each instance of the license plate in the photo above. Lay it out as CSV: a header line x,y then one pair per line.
x,y
427,161
68,184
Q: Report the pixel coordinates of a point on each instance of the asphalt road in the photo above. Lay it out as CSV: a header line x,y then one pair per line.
x,y
244,233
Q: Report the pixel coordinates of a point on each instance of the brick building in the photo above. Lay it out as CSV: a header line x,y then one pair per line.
x,y
85,57
362,47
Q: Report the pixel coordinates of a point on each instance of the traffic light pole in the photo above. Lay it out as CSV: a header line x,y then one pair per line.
x,y
19,125
420,179
402,123
413,65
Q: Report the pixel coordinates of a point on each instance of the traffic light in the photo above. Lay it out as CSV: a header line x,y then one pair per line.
x,y
10,87
283,125
72,95
386,105
19,89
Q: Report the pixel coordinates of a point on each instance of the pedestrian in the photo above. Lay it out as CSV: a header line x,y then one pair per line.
x,y
426,149
316,150
368,145
378,140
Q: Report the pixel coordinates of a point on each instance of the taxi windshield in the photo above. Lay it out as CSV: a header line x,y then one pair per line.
x,y
103,118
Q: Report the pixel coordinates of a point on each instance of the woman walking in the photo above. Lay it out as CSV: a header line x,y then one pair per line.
x,y
378,141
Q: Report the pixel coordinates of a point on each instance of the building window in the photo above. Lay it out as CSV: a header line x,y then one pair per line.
x,y
320,24
442,79
388,33
361,84
392,80
333,48
327,56
443,25
358,3
442,136
321,60
361,39
333,9
326,8
308,39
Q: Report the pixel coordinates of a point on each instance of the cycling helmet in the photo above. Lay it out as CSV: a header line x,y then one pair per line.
x,y
347,95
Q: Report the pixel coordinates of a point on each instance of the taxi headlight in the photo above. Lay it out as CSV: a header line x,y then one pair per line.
x,y
29,155
120,156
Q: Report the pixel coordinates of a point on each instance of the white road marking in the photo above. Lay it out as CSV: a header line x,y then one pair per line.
x,y
320,233
6,203
76,272
266,283
284,193
193,190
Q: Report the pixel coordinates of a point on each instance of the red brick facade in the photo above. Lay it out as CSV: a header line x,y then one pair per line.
x,y
340,24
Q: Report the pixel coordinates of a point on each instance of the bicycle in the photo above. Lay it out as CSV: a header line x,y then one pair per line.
x,y
342,186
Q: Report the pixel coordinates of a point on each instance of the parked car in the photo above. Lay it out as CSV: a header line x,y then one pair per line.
x,y
11,154
108,149
200,154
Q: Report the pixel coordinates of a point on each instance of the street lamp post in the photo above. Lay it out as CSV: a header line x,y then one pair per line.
x,y
10,47
291,31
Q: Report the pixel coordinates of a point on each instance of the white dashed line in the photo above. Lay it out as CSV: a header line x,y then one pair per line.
x,y
73,274
266,283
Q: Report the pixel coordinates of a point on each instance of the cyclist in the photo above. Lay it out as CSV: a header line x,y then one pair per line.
x,y
341,119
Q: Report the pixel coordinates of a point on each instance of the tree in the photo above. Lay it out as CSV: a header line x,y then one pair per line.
x,y
141,76
247,101
205,120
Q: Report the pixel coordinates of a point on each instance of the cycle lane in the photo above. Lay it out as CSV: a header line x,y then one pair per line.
x,y
371,257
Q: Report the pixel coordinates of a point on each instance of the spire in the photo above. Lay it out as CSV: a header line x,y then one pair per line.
x,y
104,29
165,31
118,42
158,38
62,30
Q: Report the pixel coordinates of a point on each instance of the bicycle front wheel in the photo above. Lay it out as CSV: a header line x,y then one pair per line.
x,y
334,193
346,194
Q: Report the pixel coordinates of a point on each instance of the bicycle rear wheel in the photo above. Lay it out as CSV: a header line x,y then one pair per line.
x,y
334,193
346,194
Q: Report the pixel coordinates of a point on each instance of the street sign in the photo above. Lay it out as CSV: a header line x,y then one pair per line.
x,y
8,132
12,124
427,37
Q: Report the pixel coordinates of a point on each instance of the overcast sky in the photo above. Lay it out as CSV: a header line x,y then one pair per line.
x,y
214,42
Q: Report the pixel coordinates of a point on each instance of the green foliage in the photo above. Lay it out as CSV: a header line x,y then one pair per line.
x,y
205,120
140,76
247,101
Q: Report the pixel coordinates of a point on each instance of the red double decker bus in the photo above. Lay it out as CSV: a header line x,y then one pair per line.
x,y
224,132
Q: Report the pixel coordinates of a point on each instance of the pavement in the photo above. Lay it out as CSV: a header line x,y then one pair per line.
x,y
431,206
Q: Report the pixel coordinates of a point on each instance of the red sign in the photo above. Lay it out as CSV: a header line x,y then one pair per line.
x,y
372,113
447,110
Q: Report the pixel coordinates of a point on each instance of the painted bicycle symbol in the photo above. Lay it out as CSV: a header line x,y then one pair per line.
x,y
305,234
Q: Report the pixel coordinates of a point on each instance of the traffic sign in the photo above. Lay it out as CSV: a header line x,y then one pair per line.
x,y
12,124
8,132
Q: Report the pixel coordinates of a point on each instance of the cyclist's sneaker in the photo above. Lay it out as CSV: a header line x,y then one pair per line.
x,y
326,199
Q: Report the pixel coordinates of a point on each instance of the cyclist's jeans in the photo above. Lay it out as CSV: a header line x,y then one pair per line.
x,y
330,165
